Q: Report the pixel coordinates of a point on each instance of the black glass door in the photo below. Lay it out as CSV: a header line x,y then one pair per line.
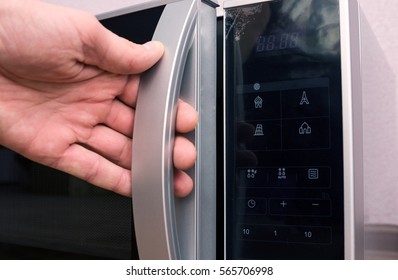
x,y
284,131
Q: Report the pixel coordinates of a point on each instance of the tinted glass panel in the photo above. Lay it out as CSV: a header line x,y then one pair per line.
x,y
284,131
47,214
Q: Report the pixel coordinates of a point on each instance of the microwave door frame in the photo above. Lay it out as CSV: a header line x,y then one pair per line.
x,y
169,228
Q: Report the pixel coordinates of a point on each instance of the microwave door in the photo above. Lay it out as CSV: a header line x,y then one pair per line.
x,y
167,227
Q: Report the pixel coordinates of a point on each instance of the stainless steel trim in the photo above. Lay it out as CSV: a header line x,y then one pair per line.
x,y
206,133
168,227
352,130
152,165
224,136
143,5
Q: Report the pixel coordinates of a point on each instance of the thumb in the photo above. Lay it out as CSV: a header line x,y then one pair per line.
x,y
115,54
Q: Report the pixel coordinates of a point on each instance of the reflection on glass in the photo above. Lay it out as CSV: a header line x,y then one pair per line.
x,y
284,131
307,27
45,213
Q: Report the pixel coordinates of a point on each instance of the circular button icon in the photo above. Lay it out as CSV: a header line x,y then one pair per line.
x,y
251,203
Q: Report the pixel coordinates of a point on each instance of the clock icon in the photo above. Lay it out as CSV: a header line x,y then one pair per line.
x,y
251,203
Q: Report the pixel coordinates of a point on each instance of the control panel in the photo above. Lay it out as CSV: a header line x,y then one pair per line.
x,y
284,161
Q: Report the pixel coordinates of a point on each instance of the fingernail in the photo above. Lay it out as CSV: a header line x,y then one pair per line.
x,y
151,45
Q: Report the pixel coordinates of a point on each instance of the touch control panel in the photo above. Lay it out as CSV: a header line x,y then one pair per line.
x,y
284,131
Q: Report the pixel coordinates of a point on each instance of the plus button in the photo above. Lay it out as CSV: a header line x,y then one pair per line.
x,y
283,203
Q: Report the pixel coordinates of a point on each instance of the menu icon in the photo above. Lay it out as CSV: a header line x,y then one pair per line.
x,y
313,173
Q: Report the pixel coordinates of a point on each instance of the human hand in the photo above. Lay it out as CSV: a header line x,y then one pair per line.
x,y
68,90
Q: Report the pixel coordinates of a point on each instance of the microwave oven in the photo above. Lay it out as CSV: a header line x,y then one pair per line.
x,y
278,173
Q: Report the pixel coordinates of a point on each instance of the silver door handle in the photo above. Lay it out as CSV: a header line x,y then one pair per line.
x,y
152,164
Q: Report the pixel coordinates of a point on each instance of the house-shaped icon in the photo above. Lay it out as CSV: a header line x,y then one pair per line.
x,y
258,102
305,129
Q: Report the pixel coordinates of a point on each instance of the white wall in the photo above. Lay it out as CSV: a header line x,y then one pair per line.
x,y
380,94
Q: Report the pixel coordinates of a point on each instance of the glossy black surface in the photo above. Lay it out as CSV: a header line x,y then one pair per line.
x,y
284,195
47,214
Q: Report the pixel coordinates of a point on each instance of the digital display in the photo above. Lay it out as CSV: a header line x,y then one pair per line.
x,y
284,150
281,41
